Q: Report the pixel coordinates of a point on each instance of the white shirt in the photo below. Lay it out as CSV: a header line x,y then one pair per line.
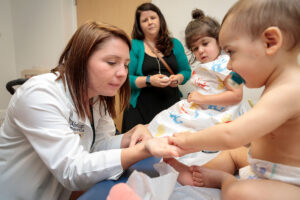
x,y
45,149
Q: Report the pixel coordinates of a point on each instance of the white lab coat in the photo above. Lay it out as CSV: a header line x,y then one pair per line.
x,y
45,149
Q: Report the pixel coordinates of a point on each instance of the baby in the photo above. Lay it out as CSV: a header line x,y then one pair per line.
x,y
262,38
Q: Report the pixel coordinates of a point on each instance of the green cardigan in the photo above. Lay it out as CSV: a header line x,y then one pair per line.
x,y
136,62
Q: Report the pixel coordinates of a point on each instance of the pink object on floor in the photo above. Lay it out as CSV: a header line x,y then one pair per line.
x,y
122,191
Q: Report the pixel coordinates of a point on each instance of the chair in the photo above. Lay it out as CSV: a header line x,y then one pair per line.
x,y
10,85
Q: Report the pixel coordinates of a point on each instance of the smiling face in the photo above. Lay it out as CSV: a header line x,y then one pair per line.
x,y
206,49
150,23
247,56
108,68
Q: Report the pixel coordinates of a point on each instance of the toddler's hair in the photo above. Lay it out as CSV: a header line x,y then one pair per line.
x,y
254,16
200,26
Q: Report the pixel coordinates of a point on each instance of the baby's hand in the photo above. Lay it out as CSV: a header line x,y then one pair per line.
x,y
139,134
180,140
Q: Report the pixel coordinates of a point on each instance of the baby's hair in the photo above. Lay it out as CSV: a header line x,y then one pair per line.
x,y
200,26
254,16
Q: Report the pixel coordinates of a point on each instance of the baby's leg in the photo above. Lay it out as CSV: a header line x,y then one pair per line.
x,y
205,177
259,190
185,175
232,189
195,175
229,160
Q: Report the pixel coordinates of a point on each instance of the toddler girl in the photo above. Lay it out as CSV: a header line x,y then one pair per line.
x,y
213,100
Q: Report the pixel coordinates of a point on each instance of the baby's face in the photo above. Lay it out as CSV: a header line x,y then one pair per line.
x,y
247,55
206,49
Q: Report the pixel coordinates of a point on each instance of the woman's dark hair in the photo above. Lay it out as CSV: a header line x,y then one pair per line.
x,y
200,26
163,40
72,66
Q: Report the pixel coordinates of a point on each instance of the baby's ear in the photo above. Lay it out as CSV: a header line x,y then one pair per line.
x,y
272,38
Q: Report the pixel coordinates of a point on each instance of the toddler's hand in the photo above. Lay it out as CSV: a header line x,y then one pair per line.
x,y
195,97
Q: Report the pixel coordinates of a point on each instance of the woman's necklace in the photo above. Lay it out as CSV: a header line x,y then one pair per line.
x,y
158,65
156,57
160,58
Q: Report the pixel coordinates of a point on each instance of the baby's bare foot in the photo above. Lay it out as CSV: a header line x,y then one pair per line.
x,y
205,177
185,175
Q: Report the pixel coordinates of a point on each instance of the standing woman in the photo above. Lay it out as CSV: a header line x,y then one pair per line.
x,y
153,88
58,134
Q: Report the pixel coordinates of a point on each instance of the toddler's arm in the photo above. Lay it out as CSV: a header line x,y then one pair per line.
x,y
231,96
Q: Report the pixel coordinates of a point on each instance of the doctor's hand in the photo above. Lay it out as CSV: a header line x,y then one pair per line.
x,y
159,147
137,134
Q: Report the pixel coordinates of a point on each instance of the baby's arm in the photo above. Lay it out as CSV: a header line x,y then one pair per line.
x,y
256,123
231,96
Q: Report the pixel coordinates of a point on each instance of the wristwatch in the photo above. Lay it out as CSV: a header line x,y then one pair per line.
x,y
148,83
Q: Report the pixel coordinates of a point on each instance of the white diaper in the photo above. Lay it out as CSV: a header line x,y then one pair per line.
x,y
268,170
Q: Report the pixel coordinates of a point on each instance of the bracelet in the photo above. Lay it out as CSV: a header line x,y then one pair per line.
x,y
148,83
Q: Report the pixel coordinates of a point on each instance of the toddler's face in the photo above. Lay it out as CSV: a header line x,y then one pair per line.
x,y
206,49
247,55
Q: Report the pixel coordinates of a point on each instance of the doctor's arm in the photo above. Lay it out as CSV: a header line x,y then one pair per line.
x,y
59,147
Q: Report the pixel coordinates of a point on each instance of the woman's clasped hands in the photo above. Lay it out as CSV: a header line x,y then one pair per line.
x,y
160,80
176,80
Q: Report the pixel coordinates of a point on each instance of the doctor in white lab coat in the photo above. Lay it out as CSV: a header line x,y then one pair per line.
x,y
58,134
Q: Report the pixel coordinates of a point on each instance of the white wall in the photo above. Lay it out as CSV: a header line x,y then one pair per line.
x,y
178,14
33,34
7,54
41,29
